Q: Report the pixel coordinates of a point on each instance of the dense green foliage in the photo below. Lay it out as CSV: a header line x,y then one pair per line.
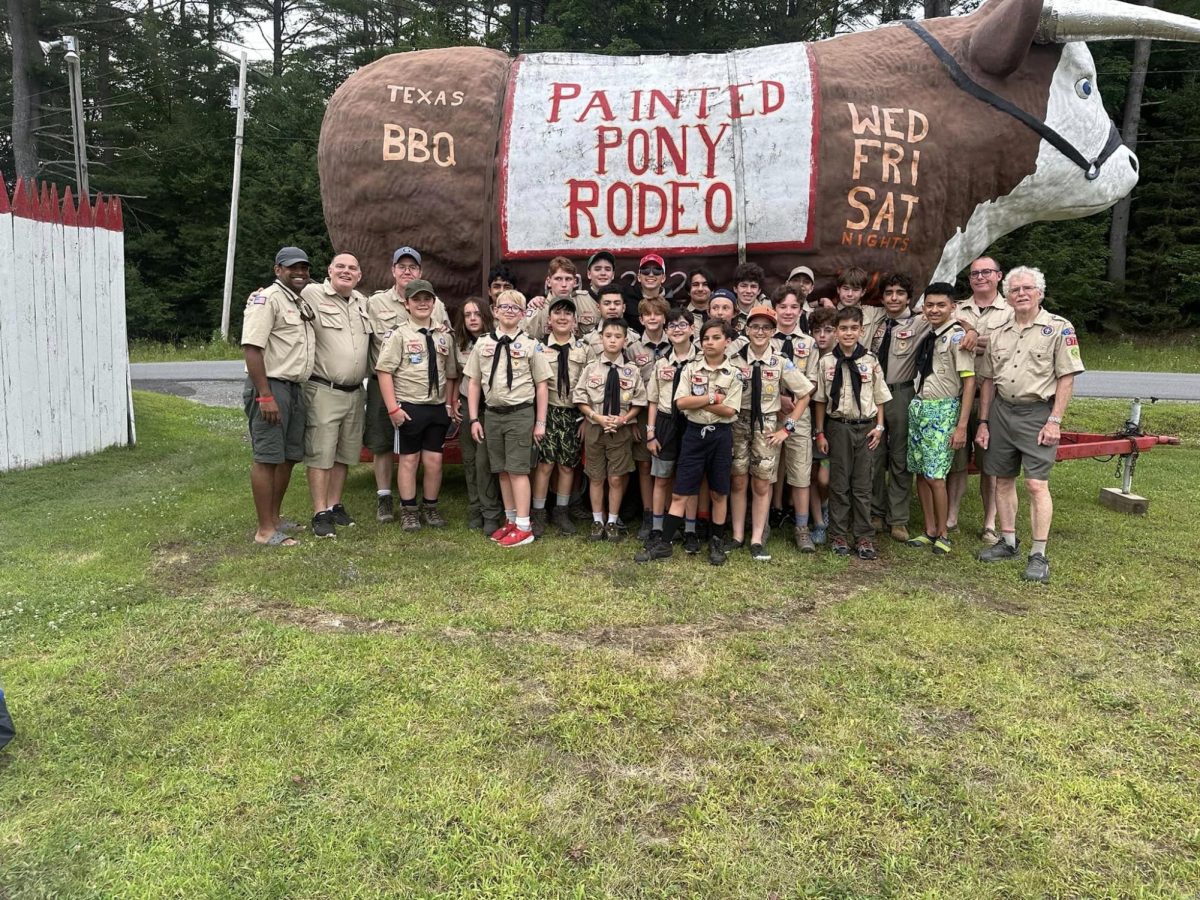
x,y
157,78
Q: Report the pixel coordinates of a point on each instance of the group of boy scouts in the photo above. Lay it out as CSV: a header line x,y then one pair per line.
x,y
738,412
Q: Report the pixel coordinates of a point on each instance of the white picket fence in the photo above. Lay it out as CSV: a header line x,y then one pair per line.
x,y
64,358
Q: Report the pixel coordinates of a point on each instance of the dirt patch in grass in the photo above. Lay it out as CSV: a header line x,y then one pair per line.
x,y
181,568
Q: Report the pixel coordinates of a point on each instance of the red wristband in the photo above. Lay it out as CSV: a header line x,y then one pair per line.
x,y
392,412
264,399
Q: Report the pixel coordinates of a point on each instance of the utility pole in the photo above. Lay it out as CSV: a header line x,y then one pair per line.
x,y
73,75
227,297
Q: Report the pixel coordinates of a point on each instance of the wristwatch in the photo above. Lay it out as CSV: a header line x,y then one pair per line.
x,y
1057,420
789,425
712,397
879,428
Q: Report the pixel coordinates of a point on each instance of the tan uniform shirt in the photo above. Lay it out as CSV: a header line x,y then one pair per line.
x,y
460,362
275,322
596,345
660,389
587,317
643,354
907,334
590,387
528,363
343,334
804,351
872,390
950,360
386,311
986,318
1026,363
778,374
872,316
700,379
406,356
579,354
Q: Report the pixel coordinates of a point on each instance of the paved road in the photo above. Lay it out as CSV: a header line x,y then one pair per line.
x,y
220,383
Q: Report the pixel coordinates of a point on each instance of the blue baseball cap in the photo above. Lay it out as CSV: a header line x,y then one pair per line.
x,y
406,251
723,292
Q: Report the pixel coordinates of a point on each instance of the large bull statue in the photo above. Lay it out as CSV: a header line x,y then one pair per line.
x,y
912,146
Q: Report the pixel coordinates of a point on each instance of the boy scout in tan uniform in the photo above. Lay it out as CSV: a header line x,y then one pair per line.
x,y
415,369
386,311
644,350
662,427
278,343
611,395
508,374
849,398
334,393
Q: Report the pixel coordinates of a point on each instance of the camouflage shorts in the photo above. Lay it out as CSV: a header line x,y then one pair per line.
x,y
751,453
561,444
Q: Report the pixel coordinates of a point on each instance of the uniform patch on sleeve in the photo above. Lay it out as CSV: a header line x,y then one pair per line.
x,y
258,299
1071,341
957,337
1067,331
1048,329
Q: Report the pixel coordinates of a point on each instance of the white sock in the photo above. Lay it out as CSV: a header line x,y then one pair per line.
x,y
1009,537
612,518
510,515
523,522
598,517
383,492
1038,547
562,499
539,502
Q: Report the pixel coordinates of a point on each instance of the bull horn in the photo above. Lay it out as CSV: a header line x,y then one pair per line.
x,y
1110,20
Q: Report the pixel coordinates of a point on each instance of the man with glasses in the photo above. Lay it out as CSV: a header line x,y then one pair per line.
x,y
387,312
278,343
652,275
1028,374
985,310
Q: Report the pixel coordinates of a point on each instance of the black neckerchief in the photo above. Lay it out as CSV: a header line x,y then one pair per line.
x,y
848,364
757,419
612,390
925,353
502,342
432,354
786,349
564,369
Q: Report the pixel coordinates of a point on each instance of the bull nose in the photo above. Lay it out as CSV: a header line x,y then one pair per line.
x,y
1133,162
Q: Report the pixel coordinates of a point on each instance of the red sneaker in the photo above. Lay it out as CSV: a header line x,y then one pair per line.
x,y
503,530
516,537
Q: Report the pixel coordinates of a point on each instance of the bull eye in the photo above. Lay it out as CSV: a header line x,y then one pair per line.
x,y
1083,87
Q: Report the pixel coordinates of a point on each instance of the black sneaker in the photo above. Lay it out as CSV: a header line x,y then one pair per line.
x,y
998,552
716,551
341,517
323,524
647,525
385,509
657,549
654,536
730,545
1037,569
691,543
759,553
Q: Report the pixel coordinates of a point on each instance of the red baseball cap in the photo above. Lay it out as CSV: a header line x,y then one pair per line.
x,y
652,258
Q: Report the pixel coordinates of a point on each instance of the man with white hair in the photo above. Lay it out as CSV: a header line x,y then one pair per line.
x,y
1028,374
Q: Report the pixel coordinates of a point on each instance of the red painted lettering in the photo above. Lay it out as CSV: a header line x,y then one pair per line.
x,y
720,191
664,143
677,209
710,144
735,101
607,138
599,101
671,108
583,196
646,194
772,97
637,158
617,191
559,92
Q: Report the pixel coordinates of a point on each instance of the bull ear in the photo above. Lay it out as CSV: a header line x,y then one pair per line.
x,y
1000,42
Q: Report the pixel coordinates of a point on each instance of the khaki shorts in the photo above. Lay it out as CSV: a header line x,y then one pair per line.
x,y
607,454
964,455
378,431
1012,441
798,454
508,436
274,444
752,455
641,453
333,426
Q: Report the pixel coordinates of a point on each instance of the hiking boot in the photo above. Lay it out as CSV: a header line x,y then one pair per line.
x,y
759,553
941,546
385,508
716,550
516,537
341,517
1037,569
614,532
597,533
322,524
920,542
866,549
647,525
410,520
998,552
691,543
537,519
474,522
433,518
840,546
655,535
900,534
820,534
656,549
804,540
877,523
560,518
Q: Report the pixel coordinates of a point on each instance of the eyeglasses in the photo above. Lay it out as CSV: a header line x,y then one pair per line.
x,y
984,273
760,326
650,270
679,326
510,308
1022,288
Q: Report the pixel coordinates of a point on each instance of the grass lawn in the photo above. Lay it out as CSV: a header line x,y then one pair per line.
x,y
413,716
158,351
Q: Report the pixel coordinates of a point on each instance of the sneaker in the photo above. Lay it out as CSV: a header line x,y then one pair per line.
x,y
560,518
777,518
998,552
501,533
840,546
877,523
597,533
474,522
804,539
730,545
341,517
759,553
820,533
410,519
920,542
322,524
899,534
716,551
866,549
516,537
614,532
1037,569
656,549
941,546
691,543
647,525
433,518
538,519
385,509
655,535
